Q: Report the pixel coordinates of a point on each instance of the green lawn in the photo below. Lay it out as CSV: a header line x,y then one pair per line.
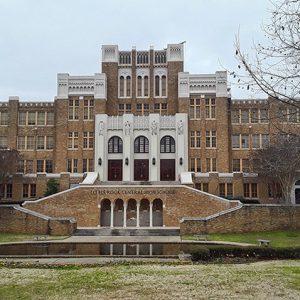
x,y
290,238
260,280
13,237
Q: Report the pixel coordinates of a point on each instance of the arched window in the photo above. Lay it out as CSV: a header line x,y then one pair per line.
x,y
139,86
128,86
121,86
157,86
115,145
167,144
141,145
146,88
164,85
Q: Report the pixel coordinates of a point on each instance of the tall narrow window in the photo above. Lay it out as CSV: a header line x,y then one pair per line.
x,y
146,87
167,145
157,88
121,86
3,118
195,108
128,86
74,109
141,145
115,145
163,86
139,86
88,109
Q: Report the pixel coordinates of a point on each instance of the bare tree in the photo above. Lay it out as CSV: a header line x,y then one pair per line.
x,y
8,165
274,69
280,162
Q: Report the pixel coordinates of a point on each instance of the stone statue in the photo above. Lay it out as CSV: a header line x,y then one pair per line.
x,y
180,127
101,128
127,128
154,127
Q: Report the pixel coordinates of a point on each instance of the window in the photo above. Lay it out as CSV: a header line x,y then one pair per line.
x,y
29,190
115,145
235,116
73,109
211,139
245,116
88,140
6,190
164,86
210,108
141,145
157,88
245,141
265,140
9,190
49,166
30,143
236,165
195,108
211,164
20,166
22,118
41,118
235,140
49,142
139,86
3,142
245,165
87,165
73,165
3,118
50,118
250,190
202,186
195,139
195,164
161,108
142,58
88,109
264,116
167,145
121,86
40,145
21,143
124,109
142,109
146,86
40,165
128,86
31,118
254,115
293,116
73,140
283,114
222,190
255,141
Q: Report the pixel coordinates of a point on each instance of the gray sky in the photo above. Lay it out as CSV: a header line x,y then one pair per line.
x,y
39,39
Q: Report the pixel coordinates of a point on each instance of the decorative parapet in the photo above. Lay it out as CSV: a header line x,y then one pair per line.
x,y
202,84
81,85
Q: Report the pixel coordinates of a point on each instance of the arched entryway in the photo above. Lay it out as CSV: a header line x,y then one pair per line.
x,y
144,213
157,212
119,213
105,213
131,213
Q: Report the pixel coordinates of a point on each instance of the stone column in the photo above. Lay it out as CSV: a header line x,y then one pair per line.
x,y
112,214
151,215
125,215
138,214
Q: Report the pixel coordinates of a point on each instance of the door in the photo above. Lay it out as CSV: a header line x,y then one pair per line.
x,y
297,196
167,169
115,169
141,169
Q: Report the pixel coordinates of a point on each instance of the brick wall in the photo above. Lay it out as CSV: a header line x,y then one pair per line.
x,y
247,218
84,203
15,219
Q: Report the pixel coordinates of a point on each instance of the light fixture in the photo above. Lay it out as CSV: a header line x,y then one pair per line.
x,y
126,161
181,161
100,161
153,161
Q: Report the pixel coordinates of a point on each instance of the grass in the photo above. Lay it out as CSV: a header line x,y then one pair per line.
x,y
262,280
290,238
13,237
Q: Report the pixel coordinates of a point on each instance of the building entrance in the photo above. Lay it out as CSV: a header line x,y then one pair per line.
x,y
167,169
115,170
141,169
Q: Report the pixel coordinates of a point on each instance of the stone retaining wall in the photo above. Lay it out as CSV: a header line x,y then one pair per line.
x,y
15,219
247,218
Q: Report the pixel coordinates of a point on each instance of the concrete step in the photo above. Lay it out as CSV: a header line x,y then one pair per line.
x,y
127,232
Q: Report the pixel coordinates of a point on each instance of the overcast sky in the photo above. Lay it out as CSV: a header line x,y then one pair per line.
x,y
39,39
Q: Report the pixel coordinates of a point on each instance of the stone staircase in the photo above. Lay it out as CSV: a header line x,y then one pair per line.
x,y
105,231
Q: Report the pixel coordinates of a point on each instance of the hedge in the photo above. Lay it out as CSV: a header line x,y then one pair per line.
x,y
206,253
